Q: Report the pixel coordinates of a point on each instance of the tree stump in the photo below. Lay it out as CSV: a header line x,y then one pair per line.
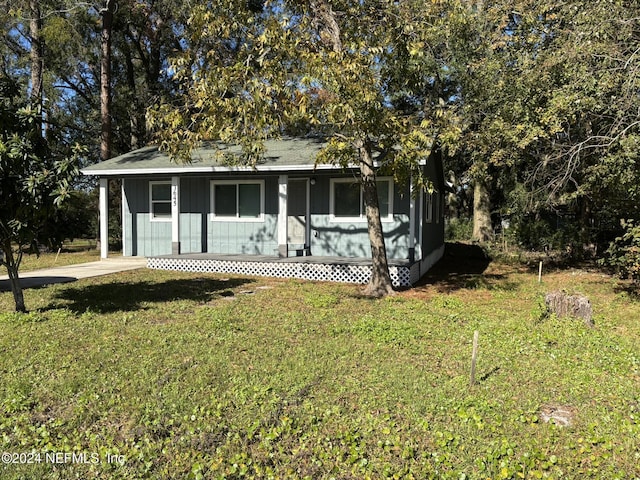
x,y
564,305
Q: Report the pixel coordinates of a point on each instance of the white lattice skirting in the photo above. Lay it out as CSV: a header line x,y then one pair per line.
x,y
400,275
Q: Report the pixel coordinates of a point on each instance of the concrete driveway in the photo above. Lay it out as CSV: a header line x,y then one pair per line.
x,y
71,273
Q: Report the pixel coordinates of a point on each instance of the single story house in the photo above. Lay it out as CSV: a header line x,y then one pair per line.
x,y
285,217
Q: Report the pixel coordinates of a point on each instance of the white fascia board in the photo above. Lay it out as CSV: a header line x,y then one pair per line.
x,y
182,170
186,169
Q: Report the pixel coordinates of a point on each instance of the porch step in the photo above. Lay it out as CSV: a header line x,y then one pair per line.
x,y
299,251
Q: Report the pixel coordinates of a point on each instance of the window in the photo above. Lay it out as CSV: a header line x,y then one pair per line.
x,y
160,201
237,201
347,200
428,207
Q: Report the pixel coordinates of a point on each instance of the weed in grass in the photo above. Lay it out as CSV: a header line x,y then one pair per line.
x,y
323,300
220,318
447,302
382,331
20,317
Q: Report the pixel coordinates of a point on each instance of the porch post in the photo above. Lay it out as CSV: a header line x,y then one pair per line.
x,y
103,206
412,221
175,215
123,213
282,215
420,221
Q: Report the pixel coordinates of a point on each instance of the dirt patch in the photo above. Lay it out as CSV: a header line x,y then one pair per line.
x,y
561,415
467,267
462,267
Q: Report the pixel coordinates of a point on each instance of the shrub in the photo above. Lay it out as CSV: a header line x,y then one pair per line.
x,y
458,229
623,253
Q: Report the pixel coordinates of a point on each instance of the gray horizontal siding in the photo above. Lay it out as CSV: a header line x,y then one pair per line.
x,y
251,238
154,238
191,225
351,239
199,234
433,232
346,239
142,236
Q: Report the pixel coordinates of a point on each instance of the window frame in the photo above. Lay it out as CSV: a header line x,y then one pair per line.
x,y
152,202
439,210
428,207
362,217
237,218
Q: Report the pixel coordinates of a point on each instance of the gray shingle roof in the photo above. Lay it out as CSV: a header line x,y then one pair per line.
x,y
281,155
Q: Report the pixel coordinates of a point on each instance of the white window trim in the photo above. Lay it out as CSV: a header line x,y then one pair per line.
x,y
428,207
362,217
215,218
151,201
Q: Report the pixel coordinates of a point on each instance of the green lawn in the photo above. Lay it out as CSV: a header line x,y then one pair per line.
x,y
78,251
152,374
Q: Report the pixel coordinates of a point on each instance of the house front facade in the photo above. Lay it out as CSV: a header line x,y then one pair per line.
x,y
285,207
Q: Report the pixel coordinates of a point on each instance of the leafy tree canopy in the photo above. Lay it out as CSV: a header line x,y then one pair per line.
x,y
33,185
357,73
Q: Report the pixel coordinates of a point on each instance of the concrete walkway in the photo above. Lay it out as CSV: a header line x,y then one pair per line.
x,y
71,273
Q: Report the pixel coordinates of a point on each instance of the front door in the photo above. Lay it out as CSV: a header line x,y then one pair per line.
x,y
298,216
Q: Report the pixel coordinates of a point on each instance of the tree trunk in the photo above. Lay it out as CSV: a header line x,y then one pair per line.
x,y
16,289
105,80
37,57
380,283
585,226
105,85
13,266
482,231
136,121
453,200
327,25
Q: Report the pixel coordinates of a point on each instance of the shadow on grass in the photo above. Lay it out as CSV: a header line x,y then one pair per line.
x,y
36,282
129,296
489,374
628,288
464,266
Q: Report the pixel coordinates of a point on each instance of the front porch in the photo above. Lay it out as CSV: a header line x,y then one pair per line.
x,y
321,268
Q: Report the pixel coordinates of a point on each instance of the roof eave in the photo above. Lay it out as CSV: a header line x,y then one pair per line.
x,y
181,170
188,170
